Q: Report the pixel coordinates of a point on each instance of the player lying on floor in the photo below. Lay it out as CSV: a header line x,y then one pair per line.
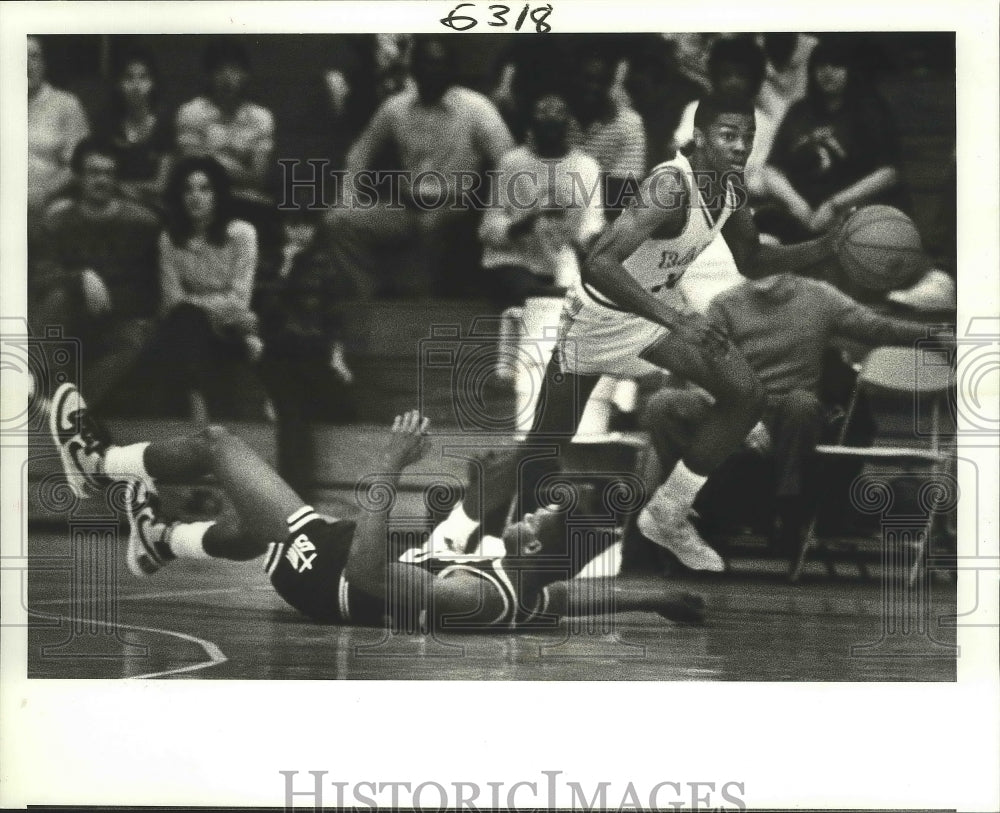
x,y
337,570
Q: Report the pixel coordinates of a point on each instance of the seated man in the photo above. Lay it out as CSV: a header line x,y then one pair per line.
x,y
95,270
782,324
336,570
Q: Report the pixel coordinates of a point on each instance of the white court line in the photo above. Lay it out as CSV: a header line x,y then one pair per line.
x,y
142,596
215,655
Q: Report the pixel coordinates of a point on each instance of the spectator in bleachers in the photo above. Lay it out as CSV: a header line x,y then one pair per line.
x,y
549,195
94,270
56,124
835,149
782,324
300,300
141,133
736,66
337,102
437,129
226,125
208,262
659,92
613,135
531,67
237,132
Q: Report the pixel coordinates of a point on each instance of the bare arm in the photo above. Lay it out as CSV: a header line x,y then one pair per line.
x,y
858,322
368,566
872,185
778,185
755,260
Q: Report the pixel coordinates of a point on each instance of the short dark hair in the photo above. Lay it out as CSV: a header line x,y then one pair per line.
x,y
741,51
717,104
144,57
179,224
225,51
91,145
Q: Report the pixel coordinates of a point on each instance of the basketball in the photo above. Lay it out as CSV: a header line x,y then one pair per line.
x,y
879,249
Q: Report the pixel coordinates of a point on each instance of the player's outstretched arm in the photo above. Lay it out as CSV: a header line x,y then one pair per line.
x,y
368,567
368,563
660,210
755,260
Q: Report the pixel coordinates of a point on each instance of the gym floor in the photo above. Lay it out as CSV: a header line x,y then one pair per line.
x,y
218,620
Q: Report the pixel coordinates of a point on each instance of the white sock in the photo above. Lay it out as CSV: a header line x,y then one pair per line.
x,y
126,463
457,528
681,487
185,539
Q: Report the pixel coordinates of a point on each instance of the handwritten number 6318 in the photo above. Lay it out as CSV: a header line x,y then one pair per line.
x,y
463,22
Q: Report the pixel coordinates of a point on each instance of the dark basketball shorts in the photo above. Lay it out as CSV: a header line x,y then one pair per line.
x,y
307,569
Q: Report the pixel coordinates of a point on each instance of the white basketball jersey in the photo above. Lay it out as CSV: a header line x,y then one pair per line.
x,y
658,264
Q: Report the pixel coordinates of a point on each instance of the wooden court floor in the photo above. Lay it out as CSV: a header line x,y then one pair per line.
x,y
89,618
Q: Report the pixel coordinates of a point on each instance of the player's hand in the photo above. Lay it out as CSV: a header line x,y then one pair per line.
x,y
408,441
696,330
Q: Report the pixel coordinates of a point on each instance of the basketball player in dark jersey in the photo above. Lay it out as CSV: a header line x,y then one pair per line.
x,y
336,570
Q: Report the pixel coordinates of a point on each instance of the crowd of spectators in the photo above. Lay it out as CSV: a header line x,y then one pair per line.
x,y
156,234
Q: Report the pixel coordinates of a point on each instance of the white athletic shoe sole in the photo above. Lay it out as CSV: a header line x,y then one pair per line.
x,y
681,539
141,556
79,454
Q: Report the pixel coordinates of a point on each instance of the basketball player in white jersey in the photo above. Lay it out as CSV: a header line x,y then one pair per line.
x,y
625,319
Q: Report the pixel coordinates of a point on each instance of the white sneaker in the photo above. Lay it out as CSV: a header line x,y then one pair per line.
x,y
666,524
80,440
147,550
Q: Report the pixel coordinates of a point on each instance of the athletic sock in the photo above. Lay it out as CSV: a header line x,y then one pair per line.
x,y
184,539
126,462
681,487
456,529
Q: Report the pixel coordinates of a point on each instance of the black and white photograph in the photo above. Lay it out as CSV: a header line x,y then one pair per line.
x,y
371,369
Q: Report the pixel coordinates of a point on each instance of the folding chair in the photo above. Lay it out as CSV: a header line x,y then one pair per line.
x,y
922,377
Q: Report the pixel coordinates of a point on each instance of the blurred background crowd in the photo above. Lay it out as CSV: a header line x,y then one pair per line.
x,y
161,231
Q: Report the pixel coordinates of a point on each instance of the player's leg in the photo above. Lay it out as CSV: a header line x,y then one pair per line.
x,y
625,594
91,460
738,403
732,383
671,417
264,504
558,411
